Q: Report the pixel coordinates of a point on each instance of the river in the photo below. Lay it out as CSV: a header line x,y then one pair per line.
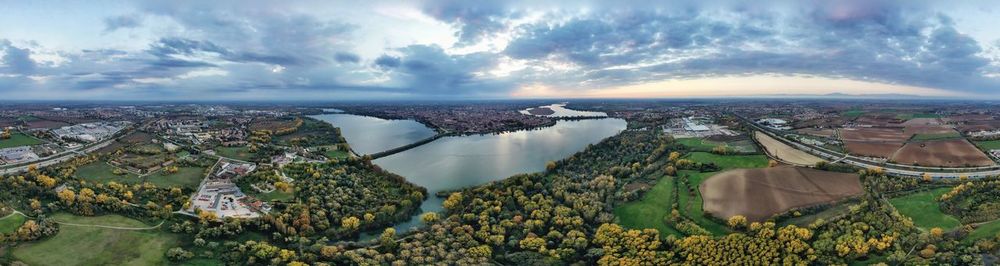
x,y
455,162
560,110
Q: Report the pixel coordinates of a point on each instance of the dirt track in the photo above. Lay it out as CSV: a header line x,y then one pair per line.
x,y
761,193
785,152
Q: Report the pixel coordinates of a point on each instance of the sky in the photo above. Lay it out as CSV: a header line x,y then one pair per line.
x,y
348,50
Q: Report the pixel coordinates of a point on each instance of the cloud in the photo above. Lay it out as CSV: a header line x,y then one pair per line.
x,y
346,57
122,22
16,60
475,19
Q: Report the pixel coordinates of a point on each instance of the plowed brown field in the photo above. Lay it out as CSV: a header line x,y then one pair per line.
x,y
761,193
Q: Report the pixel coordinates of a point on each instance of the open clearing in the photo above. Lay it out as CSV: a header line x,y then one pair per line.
x,y
872,149
11,222
948,153
184,177
820,132
923,208
761,193
785,152
102,172
700,144
18,139
985,231
239,153
85,245
690,201
650,211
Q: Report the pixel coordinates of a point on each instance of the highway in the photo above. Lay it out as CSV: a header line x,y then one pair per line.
x,y
889,168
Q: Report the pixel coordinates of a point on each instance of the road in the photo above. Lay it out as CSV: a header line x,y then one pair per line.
x,y
64,156
890,168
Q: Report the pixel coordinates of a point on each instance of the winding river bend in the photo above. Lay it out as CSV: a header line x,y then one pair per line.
x,y
455,162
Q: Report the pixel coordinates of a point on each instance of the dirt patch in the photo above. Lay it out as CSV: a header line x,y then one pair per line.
x,y
785,152
819,132
872,149
928,129
761,193
874,134
947,153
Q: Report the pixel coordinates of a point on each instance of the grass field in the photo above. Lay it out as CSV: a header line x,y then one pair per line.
x,y
730,161
275,195
921,115
10,223
988,230
185,177
950,135
852,113
239,153
699,144
18,139
988,145
82,245
101,172
650,211
924,210
339,154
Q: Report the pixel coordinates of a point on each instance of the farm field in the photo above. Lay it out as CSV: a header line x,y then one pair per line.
x,y
11,222
185,177
785,152
239,153
937,136
759,194
649,212
821,132
872,149
873,134
690,201
85,245
923,208
948,153
102,172
989,144
18,139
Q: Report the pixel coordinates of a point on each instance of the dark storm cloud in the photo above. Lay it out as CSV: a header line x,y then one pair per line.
x,y
122,22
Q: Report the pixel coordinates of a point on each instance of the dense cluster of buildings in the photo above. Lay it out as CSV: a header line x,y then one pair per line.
x,y
696,127
90,132
219,194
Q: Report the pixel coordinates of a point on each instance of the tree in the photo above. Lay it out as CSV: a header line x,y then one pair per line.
x,y
67,196
927,177
937,232
350,223
179,254
429,217
737,222
670,170
674,156
772,163
550,166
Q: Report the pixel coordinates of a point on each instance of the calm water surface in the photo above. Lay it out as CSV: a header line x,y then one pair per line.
x,y
462,161
369,135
